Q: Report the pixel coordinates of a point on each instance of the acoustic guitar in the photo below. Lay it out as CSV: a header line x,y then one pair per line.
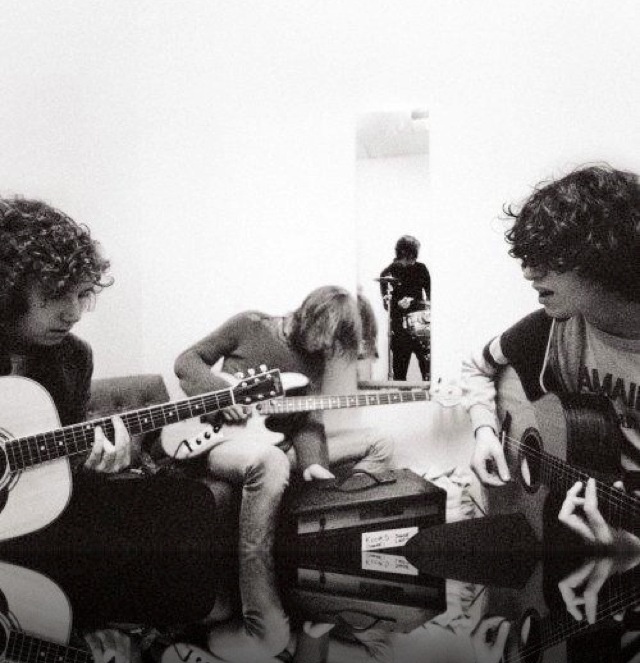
x,y
553,442
35,477
35,619
181,443
540,630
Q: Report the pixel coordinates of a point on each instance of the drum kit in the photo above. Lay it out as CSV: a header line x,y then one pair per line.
x,y
417,323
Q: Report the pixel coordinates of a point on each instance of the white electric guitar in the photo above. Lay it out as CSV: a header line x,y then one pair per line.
x,y
186,442
35,477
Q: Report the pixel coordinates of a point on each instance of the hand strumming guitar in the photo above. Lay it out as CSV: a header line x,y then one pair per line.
x,y
488,460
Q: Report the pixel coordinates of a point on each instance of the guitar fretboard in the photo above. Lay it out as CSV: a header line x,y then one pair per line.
x,y
23,648
618,594
25,452
619,509
308,403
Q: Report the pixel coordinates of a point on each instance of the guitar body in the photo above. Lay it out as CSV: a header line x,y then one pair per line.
x,y
36,497
526,610
31,603
578,430
190,439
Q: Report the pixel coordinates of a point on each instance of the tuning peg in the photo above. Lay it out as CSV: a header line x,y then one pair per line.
x,y
263,368
252,372
239,375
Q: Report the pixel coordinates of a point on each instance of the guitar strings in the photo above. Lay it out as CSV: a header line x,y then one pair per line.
x,y
26,451
613,497
619,600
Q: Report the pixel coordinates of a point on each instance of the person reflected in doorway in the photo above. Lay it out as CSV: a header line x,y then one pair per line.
x,y
406,296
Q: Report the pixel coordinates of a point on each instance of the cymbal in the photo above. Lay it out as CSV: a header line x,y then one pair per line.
x,y
386,279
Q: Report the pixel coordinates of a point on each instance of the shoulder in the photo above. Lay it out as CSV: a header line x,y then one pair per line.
x,y
246,322
528,331
249,318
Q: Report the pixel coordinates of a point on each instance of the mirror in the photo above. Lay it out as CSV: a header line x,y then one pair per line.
x,y
393,248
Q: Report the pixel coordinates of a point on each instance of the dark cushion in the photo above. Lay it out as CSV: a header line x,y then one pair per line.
x,y
122,394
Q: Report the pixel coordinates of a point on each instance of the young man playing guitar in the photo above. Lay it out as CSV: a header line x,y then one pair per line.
x,y
52,269
578,239
318,339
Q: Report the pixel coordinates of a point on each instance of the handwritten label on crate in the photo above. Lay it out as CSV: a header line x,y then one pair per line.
x,y
375,561
387,538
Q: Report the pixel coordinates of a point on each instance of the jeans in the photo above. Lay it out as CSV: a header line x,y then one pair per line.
x,y
263,630
263,472
403,345
364,448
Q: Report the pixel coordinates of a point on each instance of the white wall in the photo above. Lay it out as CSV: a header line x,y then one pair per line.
x,y
210,144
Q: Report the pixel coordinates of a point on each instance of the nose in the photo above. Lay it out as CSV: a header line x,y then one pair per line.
x,y
531,273
72,309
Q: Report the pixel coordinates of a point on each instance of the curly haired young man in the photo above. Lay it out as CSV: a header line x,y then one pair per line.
x,y
578,239
50,272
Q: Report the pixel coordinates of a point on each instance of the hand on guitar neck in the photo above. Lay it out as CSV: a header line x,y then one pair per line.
x,y
580,513
581,589
110,457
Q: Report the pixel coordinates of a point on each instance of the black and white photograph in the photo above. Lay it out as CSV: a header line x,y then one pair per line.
x,y
319,331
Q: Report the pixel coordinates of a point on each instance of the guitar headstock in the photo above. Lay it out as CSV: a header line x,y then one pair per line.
x,y
258,386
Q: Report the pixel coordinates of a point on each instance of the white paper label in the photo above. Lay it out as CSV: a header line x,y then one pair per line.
x,y
375,561
387,538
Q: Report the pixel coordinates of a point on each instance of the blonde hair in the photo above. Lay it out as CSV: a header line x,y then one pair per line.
x,y
327,323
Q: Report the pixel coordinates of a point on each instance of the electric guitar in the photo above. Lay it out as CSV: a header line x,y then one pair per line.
x,y
35,477
553,442
181,443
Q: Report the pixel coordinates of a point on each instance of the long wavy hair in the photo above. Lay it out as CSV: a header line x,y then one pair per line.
x,y
327,323
588,221
41,246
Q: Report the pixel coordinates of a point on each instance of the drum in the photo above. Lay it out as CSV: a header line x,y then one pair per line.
x,y
418,323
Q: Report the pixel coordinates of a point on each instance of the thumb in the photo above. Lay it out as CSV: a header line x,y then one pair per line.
x,y
502,467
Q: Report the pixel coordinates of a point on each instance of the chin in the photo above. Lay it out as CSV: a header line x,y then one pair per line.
x,y
556,312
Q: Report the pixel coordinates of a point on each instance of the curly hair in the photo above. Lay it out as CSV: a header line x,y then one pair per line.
x,y
327,323
40,245
587,221
407,247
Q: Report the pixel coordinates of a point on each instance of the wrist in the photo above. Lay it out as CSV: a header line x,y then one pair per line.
x,y
484,430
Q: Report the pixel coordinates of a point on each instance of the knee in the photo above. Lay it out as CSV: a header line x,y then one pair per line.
x,y
381,446
269,469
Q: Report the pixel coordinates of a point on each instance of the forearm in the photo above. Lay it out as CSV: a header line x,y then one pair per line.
x,y
479,372
193,366
195,375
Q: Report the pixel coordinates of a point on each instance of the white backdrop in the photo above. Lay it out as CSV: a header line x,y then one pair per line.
x,y
210,145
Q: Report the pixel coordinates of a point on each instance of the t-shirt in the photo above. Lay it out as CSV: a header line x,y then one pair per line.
x,y
611,367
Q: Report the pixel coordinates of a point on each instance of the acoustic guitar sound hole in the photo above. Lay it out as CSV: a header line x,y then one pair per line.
x,y
529,638
529,464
